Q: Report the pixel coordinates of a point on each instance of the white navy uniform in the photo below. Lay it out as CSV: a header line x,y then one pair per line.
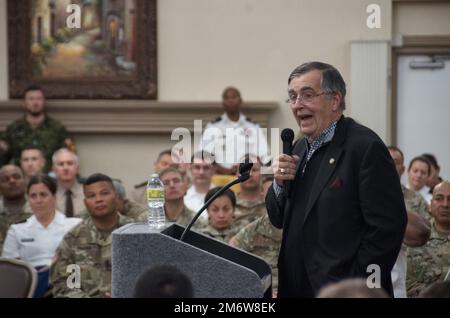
x,y
35,244
194,201
223,135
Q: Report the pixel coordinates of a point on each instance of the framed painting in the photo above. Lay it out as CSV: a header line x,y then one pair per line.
x,y
84,49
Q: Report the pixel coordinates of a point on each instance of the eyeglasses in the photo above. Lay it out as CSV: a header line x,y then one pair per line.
x,y
304,97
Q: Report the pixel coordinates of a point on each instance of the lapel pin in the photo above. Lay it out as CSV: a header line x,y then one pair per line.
x,y
332,161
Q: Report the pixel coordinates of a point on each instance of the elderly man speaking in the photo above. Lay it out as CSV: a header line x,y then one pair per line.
x,y
344,215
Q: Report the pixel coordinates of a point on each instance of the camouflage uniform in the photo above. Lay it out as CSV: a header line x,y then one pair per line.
x,y
428,264
262,239
186,217
12,214
135,211
139,193
248,211
49,136
89,248
416,203
223,236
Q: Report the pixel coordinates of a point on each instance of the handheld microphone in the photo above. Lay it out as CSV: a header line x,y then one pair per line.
x,y
287,136
244,170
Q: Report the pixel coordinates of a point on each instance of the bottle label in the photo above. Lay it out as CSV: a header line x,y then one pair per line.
x,y
155,194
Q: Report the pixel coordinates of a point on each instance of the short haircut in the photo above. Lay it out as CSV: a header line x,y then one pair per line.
x,y
421,159
170,169
120,189
164,153
49,182
331,81
432,159
230,88
163,281
395,148
63,150
437,290
98,177
351,288
203,155
32,88
3,168
228,193
32,147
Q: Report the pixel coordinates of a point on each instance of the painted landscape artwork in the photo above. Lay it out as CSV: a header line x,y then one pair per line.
x,y
103,47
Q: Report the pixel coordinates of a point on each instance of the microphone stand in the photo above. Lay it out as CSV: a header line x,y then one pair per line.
x,y
244,170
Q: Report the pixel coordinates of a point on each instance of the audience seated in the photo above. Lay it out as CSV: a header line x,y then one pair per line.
x,y
430,263
220,215
247,135
413,200
36,239
127,207
250,204
418,173
69,196
35,128
14,206
174,207
202,169
163,281
417,230
88,245
434,177
261,238
163,161
32,161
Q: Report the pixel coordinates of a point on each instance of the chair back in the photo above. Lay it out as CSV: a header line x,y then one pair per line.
x,y
18,279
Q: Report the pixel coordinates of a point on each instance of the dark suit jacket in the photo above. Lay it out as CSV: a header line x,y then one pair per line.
x,y
360,211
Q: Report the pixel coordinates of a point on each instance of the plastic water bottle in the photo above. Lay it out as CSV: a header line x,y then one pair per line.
x,y
155,201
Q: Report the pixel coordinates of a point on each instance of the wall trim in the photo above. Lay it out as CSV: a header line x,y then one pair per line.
x,y
133,116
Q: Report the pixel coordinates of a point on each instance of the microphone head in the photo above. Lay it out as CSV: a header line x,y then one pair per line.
x,y
287,135
244,170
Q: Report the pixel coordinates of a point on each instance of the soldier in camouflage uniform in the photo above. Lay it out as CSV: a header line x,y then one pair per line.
x,y
413,200
14,206
164,160
88,245
129,208
175,188
431,262
220,215
262,239
250,204
34,129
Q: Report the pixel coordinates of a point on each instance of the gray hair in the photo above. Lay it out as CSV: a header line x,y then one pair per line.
x,y
63,150
120,190
331,81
